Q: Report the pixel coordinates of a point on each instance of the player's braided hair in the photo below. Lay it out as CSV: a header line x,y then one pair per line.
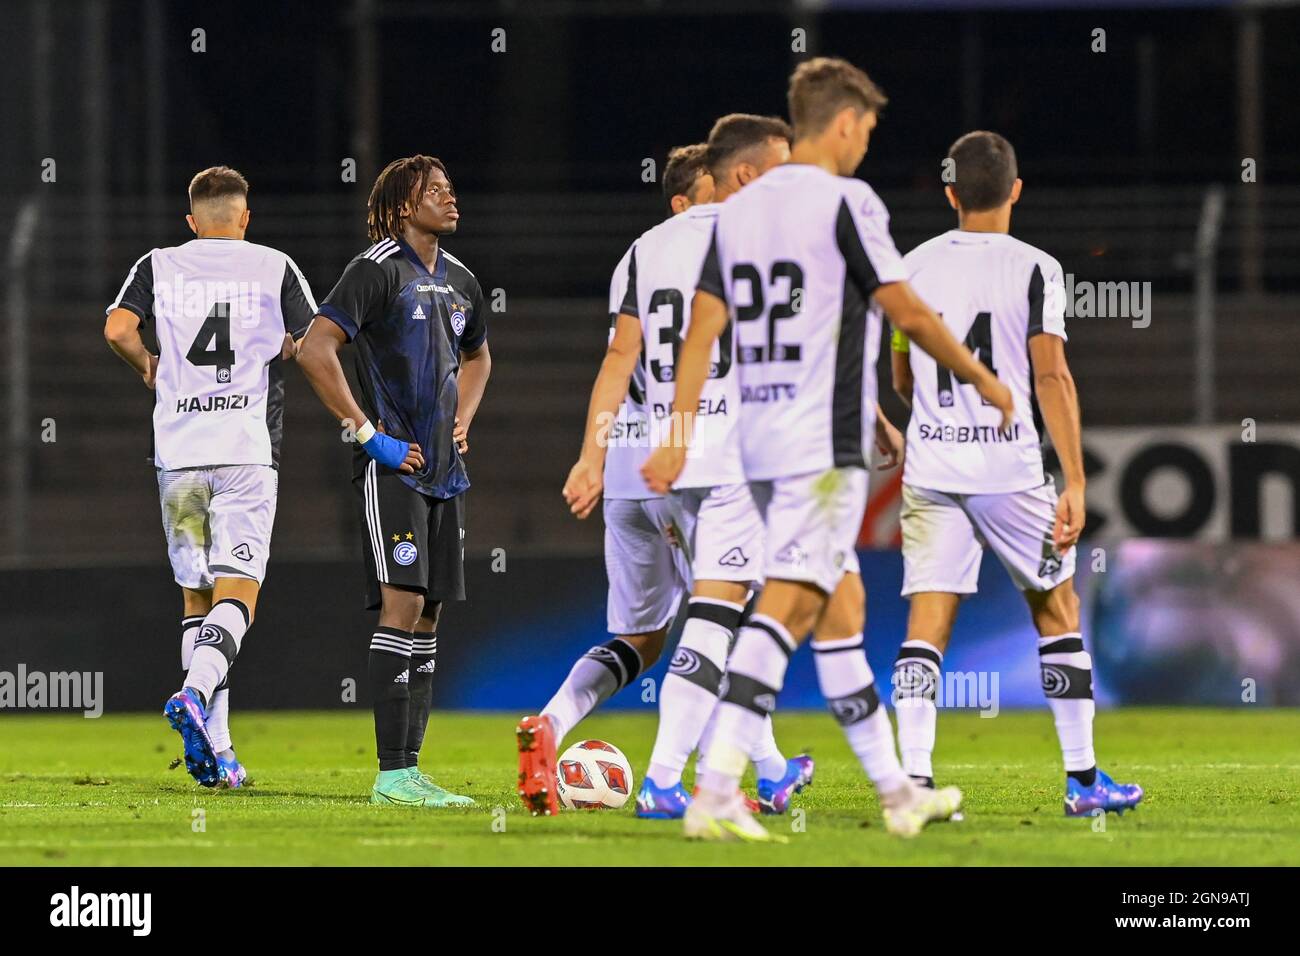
x,y
403,181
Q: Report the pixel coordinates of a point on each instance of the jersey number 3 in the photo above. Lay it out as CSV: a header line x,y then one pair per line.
x,y
212,345
670,334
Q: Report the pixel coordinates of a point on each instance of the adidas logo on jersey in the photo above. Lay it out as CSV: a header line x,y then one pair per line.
x,y
403,678
418,315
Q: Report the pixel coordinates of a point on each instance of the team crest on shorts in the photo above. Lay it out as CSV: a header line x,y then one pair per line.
x,y
405,553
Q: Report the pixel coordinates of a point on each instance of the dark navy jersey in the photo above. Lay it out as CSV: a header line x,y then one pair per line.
x,y
409,326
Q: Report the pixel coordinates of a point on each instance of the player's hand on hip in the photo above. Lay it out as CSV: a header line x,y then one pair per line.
x,y
460,436
583,488
151,377
391,452
662,468
1070,518
890,443
993,391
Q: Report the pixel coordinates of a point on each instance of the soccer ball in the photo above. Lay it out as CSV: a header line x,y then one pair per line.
x,y
594,775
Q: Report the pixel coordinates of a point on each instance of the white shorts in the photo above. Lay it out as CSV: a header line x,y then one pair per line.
x,y
218,522
727,541
646,564
944,537
812,524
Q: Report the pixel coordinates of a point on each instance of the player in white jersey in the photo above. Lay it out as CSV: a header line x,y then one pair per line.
x,y
970,485
710,499
225,313
796,260
647,568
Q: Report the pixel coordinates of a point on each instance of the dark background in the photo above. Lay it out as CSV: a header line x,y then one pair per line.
x,y
547,143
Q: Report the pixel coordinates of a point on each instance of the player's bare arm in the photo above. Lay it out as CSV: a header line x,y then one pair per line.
x,y
708,320
1059,402
471,381
889,442
122,332
917,321
586,481
319,358
901,367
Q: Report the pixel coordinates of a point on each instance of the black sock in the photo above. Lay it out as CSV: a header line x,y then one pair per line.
x,y
389,669
1086,778
423,651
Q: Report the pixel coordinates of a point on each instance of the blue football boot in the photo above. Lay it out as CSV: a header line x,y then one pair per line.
x,y
655,803
774,795
184,711
1104,794
230,771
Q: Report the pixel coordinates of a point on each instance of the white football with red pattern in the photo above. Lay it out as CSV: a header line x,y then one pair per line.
x,y
593,775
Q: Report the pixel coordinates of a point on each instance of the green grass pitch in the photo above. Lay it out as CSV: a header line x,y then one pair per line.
x,y
1223,787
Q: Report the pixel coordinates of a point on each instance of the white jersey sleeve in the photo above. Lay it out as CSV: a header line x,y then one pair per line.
x,y
629,437
879,262
220,309
994,293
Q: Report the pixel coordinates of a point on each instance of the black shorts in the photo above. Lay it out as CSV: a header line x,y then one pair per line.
x,y
410,540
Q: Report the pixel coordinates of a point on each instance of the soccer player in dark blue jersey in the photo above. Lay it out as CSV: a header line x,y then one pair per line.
x,y
417,320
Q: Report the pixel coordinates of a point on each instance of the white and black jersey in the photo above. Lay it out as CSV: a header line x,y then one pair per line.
x,y
796,256
662,273
628,439
994,292
220,309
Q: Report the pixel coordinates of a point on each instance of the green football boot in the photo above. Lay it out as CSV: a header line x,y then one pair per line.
x,y
437,796
397,787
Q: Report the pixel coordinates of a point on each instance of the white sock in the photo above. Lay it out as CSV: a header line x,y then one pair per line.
x,y
1066,670
769,762
916,679
689,693
755,674
219,719
596,676
849,687
216,645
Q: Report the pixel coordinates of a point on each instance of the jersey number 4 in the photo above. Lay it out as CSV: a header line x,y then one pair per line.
x,y
770,350
980,341
212,345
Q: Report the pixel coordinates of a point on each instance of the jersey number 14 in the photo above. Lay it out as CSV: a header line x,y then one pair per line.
x,y
980,341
